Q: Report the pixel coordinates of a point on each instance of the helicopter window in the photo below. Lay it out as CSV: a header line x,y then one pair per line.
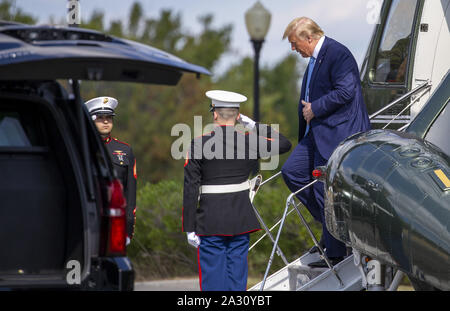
x,y
394,49
438,132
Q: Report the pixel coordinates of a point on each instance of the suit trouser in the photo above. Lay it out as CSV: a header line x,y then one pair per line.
x,y
223,264
297,172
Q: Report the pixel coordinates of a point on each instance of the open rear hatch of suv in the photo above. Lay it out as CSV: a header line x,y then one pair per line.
x,y
44,52
41,219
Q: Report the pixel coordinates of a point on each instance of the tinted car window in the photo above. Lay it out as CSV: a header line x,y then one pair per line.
x,y
439,131
393,51
18,130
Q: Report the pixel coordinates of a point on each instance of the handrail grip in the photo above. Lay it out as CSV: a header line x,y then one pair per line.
x,y
270,178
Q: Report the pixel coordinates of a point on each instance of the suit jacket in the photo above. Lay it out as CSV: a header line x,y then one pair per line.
x,y
336,98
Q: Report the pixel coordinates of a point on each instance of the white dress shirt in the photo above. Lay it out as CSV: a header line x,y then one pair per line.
x,y
318,47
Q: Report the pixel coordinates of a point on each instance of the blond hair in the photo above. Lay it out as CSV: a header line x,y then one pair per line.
x,y
303,27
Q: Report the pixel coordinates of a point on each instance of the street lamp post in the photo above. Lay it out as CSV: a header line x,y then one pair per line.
x,y
257,20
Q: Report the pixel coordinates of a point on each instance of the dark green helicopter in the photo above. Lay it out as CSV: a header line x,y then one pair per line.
x,y
388,197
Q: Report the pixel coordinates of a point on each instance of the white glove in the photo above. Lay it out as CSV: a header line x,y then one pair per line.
x,y
193,239
128,241
246,121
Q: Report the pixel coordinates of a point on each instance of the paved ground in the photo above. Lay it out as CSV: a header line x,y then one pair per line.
x,y
168,285
192,285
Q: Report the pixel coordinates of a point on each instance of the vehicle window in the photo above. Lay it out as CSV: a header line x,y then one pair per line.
x,y
96,146
393,51
439,130
12,132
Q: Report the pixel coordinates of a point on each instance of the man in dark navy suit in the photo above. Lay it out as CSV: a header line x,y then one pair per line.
x,y
331,108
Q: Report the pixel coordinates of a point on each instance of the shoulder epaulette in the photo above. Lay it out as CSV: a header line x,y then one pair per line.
x,y
121,142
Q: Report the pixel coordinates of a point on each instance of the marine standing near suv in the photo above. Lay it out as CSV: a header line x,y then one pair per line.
x,y
102,111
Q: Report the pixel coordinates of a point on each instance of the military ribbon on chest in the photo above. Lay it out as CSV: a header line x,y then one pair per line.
x,y
120,154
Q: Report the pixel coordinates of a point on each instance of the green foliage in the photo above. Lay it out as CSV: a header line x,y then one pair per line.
x,y
95,22
9,12
206,49
165,32
135,16
159,249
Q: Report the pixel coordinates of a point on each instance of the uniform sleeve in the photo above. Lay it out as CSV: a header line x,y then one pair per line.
x,y
270,141
131,195
192,182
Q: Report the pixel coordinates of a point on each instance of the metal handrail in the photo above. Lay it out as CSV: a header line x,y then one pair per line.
x,y
267,230
403,110
270,178
418,88
317,244
290,201
260,218
265,234
403,127
279,251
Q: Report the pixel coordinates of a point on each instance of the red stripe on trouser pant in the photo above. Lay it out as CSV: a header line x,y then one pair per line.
x,y
199,267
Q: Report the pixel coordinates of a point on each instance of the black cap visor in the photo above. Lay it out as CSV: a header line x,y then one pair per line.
x,y
102,111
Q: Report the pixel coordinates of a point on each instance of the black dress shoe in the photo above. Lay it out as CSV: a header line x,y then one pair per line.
x,y
323,264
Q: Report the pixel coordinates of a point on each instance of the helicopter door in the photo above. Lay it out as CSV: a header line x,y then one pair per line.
x,y
391,58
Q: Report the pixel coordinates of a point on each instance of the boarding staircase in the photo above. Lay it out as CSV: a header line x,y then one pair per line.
x,y
347,275
297,275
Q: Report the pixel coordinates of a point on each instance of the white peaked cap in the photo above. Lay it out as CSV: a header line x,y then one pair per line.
x,y
102,105
225,99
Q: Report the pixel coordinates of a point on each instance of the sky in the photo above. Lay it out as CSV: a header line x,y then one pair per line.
x,y
347,21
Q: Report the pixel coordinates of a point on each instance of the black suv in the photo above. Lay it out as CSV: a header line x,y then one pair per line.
x,y
62,220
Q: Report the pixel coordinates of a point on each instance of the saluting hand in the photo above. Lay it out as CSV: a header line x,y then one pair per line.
x,y
246,121
308,114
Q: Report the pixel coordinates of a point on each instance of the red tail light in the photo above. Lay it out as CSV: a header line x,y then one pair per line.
x,y
320,173
117,235
114,222
317,173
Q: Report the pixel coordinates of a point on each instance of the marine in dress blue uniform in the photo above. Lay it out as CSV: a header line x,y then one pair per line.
x,y
331,108
102,110
217,213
